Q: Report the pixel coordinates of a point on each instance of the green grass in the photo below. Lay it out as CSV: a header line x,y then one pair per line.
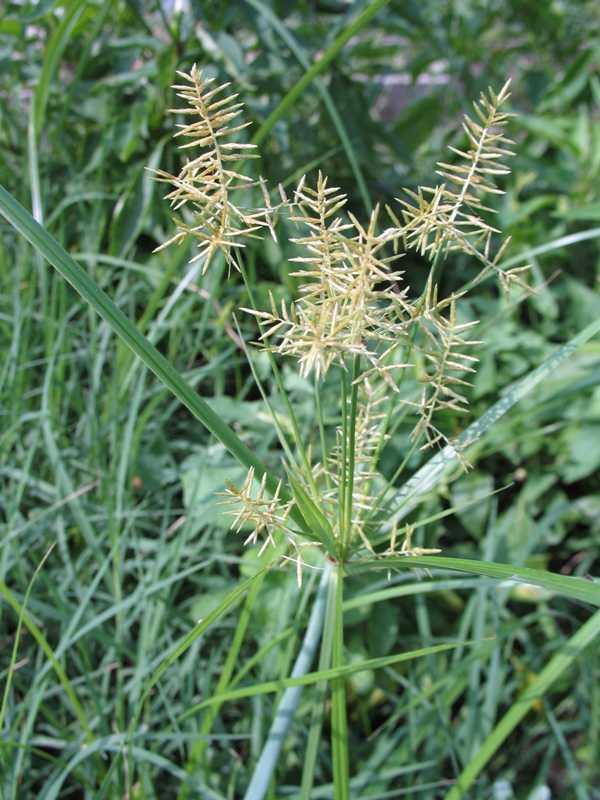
x,y
146,607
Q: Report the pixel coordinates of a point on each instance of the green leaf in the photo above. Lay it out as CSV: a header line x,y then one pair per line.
x,y
471,496
269,687
556,667
53,52
318,526
34,11
132,208
70,270
39,637
582,452
202,479
566,586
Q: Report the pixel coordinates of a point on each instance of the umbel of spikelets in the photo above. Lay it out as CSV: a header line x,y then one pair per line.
x,y
354,309
346,305
253,507
209,184
448,216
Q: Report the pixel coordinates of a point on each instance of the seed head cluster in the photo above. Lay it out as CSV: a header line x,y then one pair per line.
x,y
355,311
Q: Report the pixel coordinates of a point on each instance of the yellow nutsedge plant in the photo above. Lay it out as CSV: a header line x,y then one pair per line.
x,y
397,354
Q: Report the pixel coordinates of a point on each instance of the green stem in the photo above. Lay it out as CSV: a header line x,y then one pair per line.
x,y
350,454
343,465
339,722
322,440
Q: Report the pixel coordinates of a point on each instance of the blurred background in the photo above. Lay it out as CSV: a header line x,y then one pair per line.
x,y
96,457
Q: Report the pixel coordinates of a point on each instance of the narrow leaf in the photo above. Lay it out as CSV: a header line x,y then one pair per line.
x,y
564,585
434,470
559,663
186,642
72,272
270,687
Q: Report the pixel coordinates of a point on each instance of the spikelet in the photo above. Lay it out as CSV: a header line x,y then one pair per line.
x,y
446,364
207,184
266,515
448,216
343,310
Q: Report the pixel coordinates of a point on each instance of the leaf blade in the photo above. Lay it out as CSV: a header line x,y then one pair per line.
x,y
564,585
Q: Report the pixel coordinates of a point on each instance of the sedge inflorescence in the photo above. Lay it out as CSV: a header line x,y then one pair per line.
x,y
355,311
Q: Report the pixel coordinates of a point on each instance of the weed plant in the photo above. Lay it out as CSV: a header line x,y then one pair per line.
x,y
109,690
355,316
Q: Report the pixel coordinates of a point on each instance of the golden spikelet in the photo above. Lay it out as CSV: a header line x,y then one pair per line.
x,y
208,184
448,216
340,312
266,515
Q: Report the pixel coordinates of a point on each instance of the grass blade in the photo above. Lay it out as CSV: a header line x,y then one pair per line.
x,y
13,659
434,470
43,643
186,642
407,590
70,270
344,671
551,672
198,751
564,585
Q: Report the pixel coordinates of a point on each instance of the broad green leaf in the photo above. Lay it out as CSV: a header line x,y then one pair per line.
x,y
202,481
10,27
33,11
582,452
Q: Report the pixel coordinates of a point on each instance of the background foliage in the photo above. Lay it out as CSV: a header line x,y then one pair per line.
x,y
97,459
